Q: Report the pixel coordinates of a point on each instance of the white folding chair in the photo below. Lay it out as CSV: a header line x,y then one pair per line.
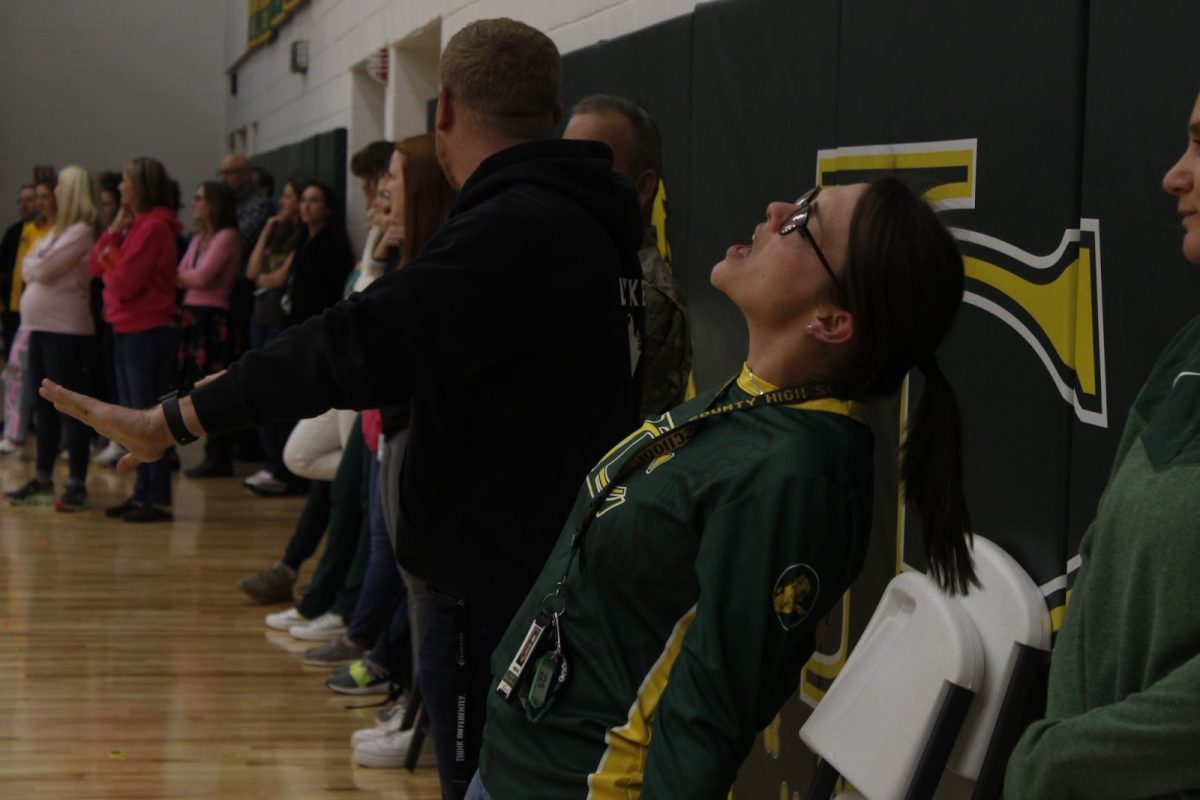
x,y
901,710
1010,614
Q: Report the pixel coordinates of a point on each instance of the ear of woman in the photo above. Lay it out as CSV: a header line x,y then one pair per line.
x,y
833,326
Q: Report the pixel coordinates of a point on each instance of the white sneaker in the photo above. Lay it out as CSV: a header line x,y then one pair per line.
x,y
10,448
262,476
285,620
381,717
325,627
389,725
389,751
110,455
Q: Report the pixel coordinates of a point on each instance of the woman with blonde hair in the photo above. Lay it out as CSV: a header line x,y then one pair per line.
x,y
54,309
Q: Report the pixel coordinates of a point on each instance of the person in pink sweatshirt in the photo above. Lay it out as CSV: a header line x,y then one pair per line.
x,y
207,272
54,310
137,259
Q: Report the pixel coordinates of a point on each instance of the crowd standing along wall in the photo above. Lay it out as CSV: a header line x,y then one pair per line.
x,y
99,83
1041,130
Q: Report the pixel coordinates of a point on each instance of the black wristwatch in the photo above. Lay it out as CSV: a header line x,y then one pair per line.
x,y
170,407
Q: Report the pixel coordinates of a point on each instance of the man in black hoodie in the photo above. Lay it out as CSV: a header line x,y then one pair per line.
x,y
516,332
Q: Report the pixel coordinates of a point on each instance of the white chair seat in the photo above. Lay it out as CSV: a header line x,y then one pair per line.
x,y
874,721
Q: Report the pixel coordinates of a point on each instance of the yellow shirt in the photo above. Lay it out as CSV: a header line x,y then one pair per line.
x,y
31,234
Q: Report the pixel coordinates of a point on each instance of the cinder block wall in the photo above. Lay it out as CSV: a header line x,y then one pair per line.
x,y
275,107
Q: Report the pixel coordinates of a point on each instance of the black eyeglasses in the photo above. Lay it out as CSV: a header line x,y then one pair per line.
x,y
798,221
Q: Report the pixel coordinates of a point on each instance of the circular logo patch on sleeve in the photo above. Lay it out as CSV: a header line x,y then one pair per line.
x,y
795,594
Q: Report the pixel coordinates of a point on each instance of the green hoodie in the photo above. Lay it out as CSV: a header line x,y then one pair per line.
x,y
1123,713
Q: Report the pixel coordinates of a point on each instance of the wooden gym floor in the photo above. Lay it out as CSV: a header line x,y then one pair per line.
x,y
132,667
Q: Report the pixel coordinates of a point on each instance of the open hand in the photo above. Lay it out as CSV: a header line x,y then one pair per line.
x,y
143,433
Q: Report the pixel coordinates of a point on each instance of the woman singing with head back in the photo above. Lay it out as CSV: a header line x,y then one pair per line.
x,y
673,619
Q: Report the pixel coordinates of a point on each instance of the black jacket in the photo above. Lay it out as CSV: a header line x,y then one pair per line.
x,y
318,276
8,262
513,332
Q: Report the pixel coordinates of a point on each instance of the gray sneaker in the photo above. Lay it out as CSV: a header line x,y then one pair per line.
x,y
361,677
334,653
272,585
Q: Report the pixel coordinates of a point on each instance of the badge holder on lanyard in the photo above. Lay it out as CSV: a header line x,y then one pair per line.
x,y
537,689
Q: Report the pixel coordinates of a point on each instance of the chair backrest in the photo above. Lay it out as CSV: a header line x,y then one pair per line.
x,y
1007,609
874,722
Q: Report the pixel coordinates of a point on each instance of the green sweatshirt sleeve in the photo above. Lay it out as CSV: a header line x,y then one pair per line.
x,y
768,567
1147,745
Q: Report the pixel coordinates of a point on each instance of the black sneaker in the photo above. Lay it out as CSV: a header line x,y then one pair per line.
x,y
34,493
147,513
73,499
211,468
118,511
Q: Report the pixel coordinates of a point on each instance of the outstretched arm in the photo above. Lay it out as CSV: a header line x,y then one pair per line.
x,y
143,432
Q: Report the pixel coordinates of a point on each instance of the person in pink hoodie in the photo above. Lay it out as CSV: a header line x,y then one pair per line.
x,y
137,260
207,272
54,311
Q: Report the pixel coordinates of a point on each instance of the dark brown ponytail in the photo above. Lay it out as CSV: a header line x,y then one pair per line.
x,y
931,470
904,279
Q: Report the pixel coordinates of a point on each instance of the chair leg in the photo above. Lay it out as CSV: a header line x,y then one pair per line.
x,y
956,701
823,782
1030,665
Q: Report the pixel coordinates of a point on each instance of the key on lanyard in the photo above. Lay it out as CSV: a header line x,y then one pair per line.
x,y
549,677
512,676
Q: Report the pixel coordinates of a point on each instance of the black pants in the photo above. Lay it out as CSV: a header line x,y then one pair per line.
x,y
145,372
310,528
61,357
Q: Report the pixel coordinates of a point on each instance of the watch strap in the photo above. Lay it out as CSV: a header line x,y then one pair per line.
x,y
170,407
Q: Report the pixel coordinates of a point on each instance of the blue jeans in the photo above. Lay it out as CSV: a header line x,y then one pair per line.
x,y
476,791
146,363
382,587
61,357
440,686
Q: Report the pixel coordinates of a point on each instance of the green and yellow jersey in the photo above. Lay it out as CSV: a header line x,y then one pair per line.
x,y
693,603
